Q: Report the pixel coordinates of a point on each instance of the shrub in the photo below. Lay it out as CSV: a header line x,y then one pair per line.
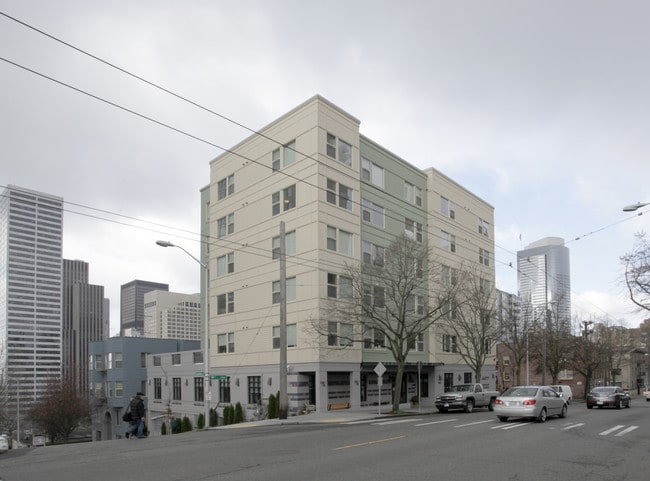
x,y
163,429
228,415
186,425
214,418
200,422
272,407
239,414
176,426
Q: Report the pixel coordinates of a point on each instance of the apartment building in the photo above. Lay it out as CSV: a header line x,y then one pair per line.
x,y
342,199
172,315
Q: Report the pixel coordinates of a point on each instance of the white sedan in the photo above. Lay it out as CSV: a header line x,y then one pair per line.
x,y
536,402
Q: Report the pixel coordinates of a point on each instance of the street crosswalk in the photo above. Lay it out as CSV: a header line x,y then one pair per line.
x,y
618,430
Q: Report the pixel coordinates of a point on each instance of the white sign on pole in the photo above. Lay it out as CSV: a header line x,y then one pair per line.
x,y
380,369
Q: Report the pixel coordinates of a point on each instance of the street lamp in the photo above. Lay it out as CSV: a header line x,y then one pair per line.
x,y
633,207
206,330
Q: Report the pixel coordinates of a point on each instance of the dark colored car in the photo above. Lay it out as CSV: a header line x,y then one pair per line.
x,y
608,396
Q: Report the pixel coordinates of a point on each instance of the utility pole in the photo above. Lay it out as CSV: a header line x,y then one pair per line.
x,y
283,326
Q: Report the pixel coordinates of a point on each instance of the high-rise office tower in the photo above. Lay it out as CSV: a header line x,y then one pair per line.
x,y
544,277
132,305
31,238
172,315
84,321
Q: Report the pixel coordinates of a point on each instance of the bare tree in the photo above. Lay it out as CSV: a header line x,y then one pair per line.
x,y
60,411
589,354
514,327
385,302
637,272
551,342
472,318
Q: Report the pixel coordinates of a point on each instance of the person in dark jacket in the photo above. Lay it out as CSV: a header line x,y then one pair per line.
x,y
137,416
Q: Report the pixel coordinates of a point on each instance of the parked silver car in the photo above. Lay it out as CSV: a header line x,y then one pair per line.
x,y
536,402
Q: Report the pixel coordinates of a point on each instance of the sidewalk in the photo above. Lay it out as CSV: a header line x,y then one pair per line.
x,y
338,416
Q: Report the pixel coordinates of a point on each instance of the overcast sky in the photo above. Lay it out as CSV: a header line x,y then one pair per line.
x,y
541,108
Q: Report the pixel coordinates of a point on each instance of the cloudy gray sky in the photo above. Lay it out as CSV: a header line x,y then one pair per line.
x,y
542,108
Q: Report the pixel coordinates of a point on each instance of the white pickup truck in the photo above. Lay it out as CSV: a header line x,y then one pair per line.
x,y
466,397
646,393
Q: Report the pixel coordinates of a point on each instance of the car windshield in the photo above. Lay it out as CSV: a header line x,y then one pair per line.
x,y
604,389
521,392
461,388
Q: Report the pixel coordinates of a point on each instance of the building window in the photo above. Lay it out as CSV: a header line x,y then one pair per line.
x,y
506,360
449,343
339,241
198,389
447,241
109,360
483,227
226,264
467,378
339,334
226,225
415,304
372,254
226,343
288,198
157,388
339,149
226,187
344,196
288,154
119,388
176,392
339,287
483,257
412,194
224,390
447,208
197,357
176,359
291,290
372,213
289,244
449,275
373,296
371,172
291,336
254,389
413,230
417,344
374,339
119,361
156,360
226,303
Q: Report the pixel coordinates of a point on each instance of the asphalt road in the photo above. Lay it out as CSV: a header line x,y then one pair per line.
x,y
589,445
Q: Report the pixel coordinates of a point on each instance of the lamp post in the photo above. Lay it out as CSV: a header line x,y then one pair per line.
x,y
633,207
206,331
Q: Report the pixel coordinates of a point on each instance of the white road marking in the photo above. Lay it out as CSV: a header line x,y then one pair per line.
x,y
509,426
625,431
609,431
437,422
473,424
399,421
573,426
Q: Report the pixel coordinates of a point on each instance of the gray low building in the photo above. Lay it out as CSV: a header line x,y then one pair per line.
x,y
118,369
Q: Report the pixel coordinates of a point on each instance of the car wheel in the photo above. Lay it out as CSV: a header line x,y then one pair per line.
x,y
503,419
542,416
629,402
491,405
589,406
469,406
563,412
618,403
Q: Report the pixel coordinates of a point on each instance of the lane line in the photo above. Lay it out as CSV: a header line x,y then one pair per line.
x,y
573,426
437,422
609,431
399,421
368,443
473,424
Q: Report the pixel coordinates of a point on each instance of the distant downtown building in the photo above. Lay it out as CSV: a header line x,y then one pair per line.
x,y
343,199
172,315
85,320
31,237
544,278
132,305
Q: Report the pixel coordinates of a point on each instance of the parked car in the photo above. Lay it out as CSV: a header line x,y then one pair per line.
x,y
646,393
536,402
4,443
564,391
608,396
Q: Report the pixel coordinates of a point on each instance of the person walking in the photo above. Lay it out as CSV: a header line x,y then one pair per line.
x,y
137,416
